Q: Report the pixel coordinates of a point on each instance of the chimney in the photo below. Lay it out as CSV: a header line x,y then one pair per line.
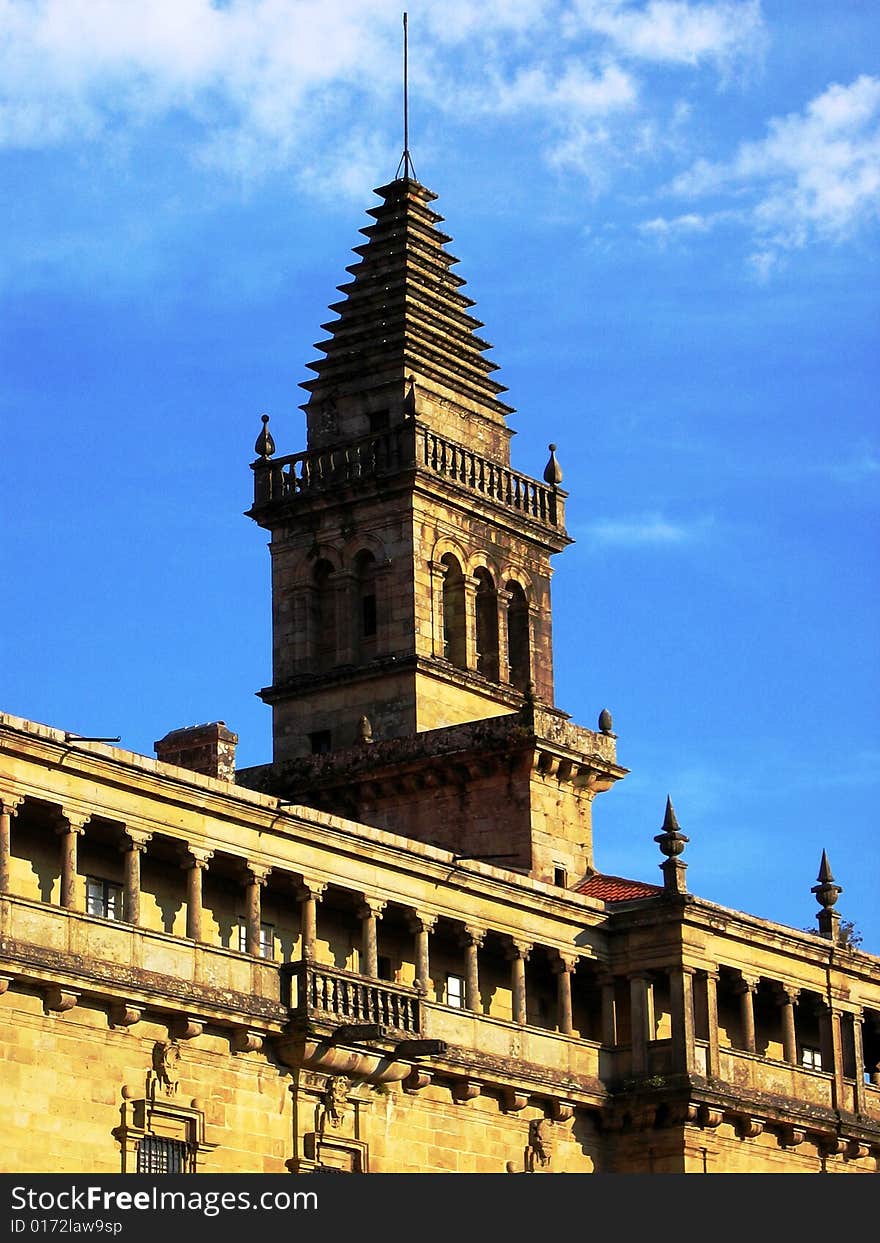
x,y
207,749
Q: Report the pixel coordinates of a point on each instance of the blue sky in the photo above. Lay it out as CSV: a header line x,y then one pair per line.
x,y
667,213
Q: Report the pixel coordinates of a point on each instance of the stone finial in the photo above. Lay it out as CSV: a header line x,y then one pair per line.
x,y
265,445
827,893
606,725
672,842
553,471
409,404
365,730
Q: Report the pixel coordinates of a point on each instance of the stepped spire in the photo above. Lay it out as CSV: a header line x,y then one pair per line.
x,y
404,321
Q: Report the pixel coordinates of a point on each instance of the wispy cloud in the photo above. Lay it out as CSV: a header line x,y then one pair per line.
x,y
814,176
675,31
646,529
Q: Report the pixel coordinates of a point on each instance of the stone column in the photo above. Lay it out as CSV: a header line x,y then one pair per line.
x,y
563,966
473,939
133,845
470,620
9,805
713,1057
518,953
255,878
639,1004
746,986
609,1010
422,925
73,824
194,863
438,635
859,1102
503,642
369,911
681,1000
785,999
309,893
832,1052
348,617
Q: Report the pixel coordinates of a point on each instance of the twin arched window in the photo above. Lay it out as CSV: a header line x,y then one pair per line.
x,y
331,639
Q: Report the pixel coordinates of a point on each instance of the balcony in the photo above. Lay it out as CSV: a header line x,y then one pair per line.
x,y
322,994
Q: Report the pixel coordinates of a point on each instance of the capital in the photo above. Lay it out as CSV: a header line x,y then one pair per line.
x,y
417,921
307,889
256,873
10,802
563,964
196,857
471,935
72,820
134,839
518,949
371,908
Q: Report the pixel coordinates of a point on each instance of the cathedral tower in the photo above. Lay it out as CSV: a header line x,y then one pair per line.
x,y
411,566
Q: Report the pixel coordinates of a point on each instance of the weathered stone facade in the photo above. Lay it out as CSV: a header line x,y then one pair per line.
x,y
389,949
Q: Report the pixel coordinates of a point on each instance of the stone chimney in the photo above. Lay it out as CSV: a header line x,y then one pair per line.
x,y
207,749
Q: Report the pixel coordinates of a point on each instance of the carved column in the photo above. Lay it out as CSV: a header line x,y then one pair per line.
x,y
369,911
470,620
422,925
133,845
73,824
681,998
746,986
785,999
438,631
563,966
503,641
609,1010
473,939
9,805
309,893
255,878
639,1004
713,1057
518,953
832,1051
195,862
859,1102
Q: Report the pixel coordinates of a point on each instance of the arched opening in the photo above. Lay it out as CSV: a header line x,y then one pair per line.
x,y
486,605
324,616
366,612
454,634
518,654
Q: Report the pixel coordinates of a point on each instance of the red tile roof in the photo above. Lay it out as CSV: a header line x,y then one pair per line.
x,y
616,888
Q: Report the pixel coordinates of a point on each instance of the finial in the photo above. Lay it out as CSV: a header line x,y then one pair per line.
x,y
827,893
672,843
406,165
265,445
410,399
606,725
553,471
365,730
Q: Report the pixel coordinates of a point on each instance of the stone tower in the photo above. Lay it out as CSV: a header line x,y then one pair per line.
x,y
411,569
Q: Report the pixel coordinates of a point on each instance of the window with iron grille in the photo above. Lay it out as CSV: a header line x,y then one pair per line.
x,y
158,1155
103,898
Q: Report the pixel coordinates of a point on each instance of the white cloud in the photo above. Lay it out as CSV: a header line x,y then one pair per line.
x,y
815,176
663,226
650,529
675,31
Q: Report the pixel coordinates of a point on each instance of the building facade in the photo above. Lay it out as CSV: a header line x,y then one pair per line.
x,y
389,949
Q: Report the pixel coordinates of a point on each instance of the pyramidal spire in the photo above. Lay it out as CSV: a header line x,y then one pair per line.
x,y
404,319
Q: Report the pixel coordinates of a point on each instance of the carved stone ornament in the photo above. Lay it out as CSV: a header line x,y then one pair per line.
x,y
166,1057
335,1100
540,1150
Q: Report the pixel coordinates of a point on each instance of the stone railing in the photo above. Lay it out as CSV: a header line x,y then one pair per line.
x,y
407,446
499,483
328,994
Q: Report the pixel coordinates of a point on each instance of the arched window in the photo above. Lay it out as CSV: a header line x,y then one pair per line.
x,y
454,639
324,616
518,655
366,615
487,625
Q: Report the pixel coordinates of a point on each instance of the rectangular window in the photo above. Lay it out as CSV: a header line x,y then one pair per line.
x,y
103,898
560,876
383,968
158,1155
267,940
320,741
455,991
811,1058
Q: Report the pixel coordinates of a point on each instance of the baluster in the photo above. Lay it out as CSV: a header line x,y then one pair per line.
x,y
481,480
543,507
